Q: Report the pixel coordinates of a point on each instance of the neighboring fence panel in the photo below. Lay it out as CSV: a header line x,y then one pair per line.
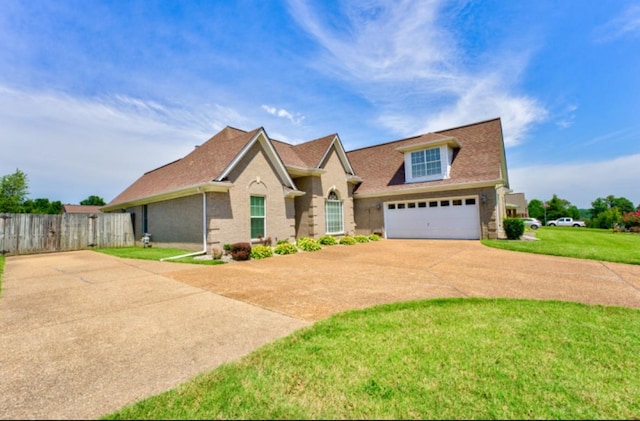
x,y
32,233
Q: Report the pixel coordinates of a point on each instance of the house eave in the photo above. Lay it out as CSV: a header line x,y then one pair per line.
x,y
354,179
429,189
293,193
215,186
295,171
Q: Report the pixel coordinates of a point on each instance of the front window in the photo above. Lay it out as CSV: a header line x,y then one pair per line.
x,y
258,219
333,214
425,163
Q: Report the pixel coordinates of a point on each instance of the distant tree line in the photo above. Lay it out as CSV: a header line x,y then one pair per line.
x,y
14,191
607,212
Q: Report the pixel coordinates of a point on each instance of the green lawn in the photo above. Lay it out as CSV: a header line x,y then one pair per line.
x,y
435,359
583,243
156,253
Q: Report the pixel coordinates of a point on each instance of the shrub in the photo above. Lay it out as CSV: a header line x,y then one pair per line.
x,y
514,228
286,240
308,244
216,253
361,239
327,240
374,237
347,240
286,248
631,219
264,241
240,251
261,251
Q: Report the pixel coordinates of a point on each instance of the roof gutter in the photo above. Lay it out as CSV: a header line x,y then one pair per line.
x,y
204,233
214,186
428,189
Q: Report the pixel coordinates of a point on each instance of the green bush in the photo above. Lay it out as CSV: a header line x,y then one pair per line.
x,y
361,239
374,237
286,240
240,251
347,240
261,251
514,228
286,248
327,240
308,244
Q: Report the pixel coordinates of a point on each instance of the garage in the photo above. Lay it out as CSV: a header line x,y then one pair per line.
x,y
451,218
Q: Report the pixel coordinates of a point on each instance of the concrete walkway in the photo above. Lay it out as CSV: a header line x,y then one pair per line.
x,y
83,334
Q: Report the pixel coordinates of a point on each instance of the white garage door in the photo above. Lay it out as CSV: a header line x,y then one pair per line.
x,y
457,218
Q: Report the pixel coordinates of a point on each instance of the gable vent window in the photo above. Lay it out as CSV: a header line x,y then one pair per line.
x,y
258,228
334,222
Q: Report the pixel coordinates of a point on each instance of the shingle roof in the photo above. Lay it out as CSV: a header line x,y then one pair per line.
x,y
479,159
81,209
202,165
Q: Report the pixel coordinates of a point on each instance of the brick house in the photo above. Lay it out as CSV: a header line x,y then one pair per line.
x,y
240,186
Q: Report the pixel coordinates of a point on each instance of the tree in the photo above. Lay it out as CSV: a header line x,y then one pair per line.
x,y
607,212
93,200
623,204
597,207
42,206
558,208
13,192
536,209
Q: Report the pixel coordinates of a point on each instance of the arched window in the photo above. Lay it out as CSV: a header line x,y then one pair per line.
x,y
334,222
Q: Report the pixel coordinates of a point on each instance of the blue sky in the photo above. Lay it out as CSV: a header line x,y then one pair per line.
x,y
95,93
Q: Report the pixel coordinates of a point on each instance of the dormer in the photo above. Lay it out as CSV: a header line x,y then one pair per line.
x,y
430,159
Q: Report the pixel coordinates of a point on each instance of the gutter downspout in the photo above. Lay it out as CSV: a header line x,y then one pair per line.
x,y
204,232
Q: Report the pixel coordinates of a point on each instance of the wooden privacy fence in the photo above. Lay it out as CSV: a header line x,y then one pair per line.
x,y
24,233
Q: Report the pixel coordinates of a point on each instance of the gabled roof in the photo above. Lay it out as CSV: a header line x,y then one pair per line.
x,y
309,157
206,167
479,159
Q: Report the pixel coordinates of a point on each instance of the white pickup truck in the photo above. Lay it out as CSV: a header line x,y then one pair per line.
x,y
566,222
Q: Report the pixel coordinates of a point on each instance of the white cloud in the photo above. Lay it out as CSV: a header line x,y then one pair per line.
x,y
580,183
72,147
282,113
626,24
402,57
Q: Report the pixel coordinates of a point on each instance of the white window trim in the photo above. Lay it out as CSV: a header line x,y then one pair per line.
x,y
264,218
326,219
446,156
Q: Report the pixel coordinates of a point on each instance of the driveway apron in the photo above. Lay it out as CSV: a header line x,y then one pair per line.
x,y
82,334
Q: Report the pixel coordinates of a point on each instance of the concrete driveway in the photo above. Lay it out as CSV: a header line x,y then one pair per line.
x,y
82,334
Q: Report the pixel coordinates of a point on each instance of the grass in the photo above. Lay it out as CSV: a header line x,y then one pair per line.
x,y
583,243
156,253
434,359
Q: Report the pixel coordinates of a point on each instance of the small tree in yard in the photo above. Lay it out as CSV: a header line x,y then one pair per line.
x,y
13,192
514,228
